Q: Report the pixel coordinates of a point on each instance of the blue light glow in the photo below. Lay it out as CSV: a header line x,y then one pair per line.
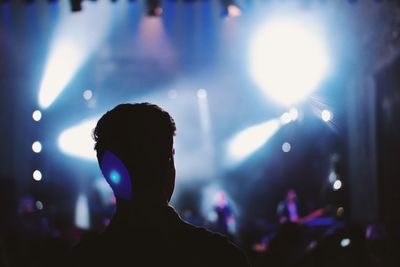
x,y
249,140
288,60
82,218
71,48
115,177
77,141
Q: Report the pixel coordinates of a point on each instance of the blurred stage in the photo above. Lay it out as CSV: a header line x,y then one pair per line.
x,y
255,117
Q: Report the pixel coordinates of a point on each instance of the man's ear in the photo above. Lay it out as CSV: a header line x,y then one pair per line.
x,y
116,175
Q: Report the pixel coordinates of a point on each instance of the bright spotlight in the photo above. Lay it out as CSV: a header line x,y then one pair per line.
x,y
77,141
37,115
37,175
337,185
326,115
249,140
288,60
69,56
71,48
286,118
286,147
37,147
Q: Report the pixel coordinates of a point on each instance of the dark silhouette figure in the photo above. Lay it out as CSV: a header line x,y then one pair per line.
x,y
134,144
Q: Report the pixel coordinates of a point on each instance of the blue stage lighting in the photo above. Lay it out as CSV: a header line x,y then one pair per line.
x,y
82,217
77,141
249,140
71,47
288,60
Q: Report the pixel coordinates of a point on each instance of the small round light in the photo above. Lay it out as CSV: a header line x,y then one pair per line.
x,y
37,175
326,115
37,147
337,185
37,115
87,94
39,205
202,93
286,147
340,211
345,242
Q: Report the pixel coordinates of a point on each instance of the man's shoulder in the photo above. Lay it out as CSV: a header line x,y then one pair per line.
x,y
216,246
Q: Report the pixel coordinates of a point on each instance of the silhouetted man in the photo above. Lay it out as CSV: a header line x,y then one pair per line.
x,y
134,145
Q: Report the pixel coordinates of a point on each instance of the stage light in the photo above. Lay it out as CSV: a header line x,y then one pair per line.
x,y
340,211
288,60
286,147
286,118
82,219
294,114
291,115
230,9
87,94
326,115
76,5
71,48
345,242
39,205
154,8
332,177
202,93
37,147
37,115
249,140
337,185
77,141
60,69
37,175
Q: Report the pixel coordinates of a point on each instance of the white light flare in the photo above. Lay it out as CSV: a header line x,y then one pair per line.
x,y
37,115
82,219
77,141
249,140
326,115
337,185
36,147
288,60
71,48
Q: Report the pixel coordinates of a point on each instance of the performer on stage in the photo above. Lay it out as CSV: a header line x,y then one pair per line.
x,y
224,214
288,210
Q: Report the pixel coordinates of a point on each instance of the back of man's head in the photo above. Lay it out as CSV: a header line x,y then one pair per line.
x,y
141,137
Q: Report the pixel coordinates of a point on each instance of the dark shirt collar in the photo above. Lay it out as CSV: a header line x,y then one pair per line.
x,y
138,218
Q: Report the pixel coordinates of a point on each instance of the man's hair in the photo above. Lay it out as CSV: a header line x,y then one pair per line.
x,y
141,136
